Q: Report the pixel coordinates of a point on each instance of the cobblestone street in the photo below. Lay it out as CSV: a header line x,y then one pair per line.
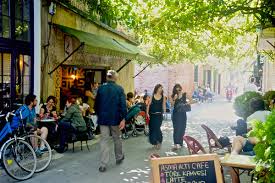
x,y
82,166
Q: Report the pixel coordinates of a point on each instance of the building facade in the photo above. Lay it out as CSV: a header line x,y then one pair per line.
x,y
189,76
266,44
17,59
77,50
48,46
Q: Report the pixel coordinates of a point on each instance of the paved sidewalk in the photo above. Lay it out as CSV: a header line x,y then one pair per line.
x,y
82,166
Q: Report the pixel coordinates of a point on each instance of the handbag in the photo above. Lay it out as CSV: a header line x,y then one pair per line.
x,y
183,107
224,141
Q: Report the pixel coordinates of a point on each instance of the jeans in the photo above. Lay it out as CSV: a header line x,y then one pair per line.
x,y
66,130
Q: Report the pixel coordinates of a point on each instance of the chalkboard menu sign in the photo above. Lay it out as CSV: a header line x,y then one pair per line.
x,y
187,169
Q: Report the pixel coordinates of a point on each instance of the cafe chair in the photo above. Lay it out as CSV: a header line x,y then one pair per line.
x,y
81,136
213,141
84,136
194,147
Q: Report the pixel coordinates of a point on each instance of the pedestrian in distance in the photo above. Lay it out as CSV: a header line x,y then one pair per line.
x,y
155,110
178,100
251,86
111,110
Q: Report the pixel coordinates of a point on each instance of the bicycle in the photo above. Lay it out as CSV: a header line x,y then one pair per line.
x,y
44,159
17,156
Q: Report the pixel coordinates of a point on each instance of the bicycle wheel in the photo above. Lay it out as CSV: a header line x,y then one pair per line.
x,y
44,159
18,159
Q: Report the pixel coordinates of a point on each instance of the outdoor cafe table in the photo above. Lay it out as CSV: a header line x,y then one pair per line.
x,y
50,123
48,120
239,162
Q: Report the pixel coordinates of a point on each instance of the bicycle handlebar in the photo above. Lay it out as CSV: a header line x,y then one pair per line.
x,y
8,115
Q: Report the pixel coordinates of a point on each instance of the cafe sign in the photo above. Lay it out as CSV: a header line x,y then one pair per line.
x,y
187,169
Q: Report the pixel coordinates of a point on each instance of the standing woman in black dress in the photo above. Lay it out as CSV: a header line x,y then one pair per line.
x,y
155,110
179,116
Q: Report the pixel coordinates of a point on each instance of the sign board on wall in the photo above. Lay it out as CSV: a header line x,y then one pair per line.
x,y
187,169
69,74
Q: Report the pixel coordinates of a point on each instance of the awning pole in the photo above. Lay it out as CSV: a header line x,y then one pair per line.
x,y
127,62
270,44
142,70
82,44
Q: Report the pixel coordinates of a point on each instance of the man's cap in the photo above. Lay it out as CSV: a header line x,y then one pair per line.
x,y
112,73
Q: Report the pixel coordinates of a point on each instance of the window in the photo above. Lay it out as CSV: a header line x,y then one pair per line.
x,y
23,76
5,80
22,20
18,14
209,77
196,74
4,19
16,63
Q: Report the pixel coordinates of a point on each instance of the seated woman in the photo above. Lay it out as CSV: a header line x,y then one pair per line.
x,y
49,109
70,124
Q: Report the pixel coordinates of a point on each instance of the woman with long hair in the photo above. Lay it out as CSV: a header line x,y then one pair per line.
x,y
179,119
155,111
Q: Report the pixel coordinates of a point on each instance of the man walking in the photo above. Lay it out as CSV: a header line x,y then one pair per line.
x,y
110,107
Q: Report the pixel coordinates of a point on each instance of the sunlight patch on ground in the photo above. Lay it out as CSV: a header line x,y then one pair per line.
x,y
136,175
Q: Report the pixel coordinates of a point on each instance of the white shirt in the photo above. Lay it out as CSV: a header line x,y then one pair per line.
x,y
258,115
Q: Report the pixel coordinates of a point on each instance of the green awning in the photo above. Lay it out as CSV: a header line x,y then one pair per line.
x,y
141,55
106,46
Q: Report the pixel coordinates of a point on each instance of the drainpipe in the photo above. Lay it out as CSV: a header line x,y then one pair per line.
x,y
37,50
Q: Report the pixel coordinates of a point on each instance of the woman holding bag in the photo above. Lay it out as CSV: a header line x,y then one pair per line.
x,y
178,100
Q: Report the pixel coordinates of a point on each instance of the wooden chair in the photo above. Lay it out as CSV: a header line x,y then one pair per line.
x,y
194,147
213,141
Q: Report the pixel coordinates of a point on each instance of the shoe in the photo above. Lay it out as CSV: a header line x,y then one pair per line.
x,y
44,149
59,149
176,147
102,169
120,160
38,153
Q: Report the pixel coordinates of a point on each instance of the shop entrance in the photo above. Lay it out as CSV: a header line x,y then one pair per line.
x,y
74,80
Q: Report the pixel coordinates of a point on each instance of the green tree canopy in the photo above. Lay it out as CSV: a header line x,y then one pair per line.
x,y
185,30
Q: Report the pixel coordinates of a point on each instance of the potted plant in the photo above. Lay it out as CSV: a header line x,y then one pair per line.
x,y
242,104
265,149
